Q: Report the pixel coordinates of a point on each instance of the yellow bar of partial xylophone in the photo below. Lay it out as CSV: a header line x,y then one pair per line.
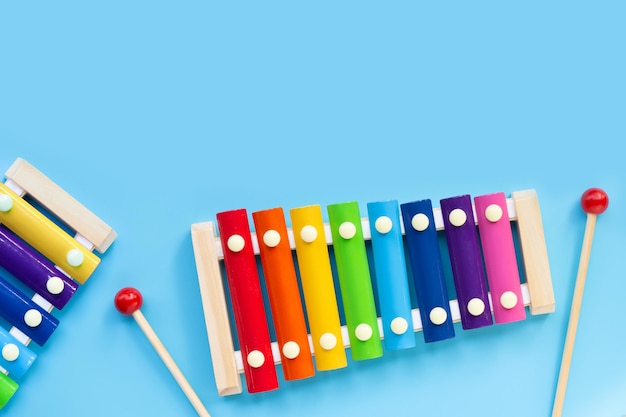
x,y
45,236
318,288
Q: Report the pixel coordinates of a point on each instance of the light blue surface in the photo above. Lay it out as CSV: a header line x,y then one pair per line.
x,y
159,114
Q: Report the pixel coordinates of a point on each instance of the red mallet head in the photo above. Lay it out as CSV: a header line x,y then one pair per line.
x,y
594,201
128,300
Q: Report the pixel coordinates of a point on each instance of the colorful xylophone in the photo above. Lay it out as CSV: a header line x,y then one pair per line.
x,y
38,251
483,260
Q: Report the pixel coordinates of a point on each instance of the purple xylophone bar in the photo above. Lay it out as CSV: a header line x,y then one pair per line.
x,y
20,260
466,261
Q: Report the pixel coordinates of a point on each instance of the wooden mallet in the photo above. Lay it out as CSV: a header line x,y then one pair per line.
x,y
128,301
594,201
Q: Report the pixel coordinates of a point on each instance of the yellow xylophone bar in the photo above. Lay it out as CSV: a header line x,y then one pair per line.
x,y
45,236
537,292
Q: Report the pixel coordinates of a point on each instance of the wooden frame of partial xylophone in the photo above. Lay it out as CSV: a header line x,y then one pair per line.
x,y
36,250
537,292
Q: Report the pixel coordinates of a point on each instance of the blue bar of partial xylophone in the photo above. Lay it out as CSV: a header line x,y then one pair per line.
x,y
427,269
25,314
15,358
391,274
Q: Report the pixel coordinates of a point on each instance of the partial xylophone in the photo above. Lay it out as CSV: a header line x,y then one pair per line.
x,y
404,245
36,250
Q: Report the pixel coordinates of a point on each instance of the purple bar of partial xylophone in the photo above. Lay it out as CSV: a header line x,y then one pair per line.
x,y
466,261
19,259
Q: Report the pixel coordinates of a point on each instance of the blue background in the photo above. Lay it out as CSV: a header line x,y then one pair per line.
x,y
159,114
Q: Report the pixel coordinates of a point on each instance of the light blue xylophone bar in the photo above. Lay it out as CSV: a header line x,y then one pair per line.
x,y
15,358
391,274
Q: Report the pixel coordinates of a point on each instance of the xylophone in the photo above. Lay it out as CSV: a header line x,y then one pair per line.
x,y
36,249
405,245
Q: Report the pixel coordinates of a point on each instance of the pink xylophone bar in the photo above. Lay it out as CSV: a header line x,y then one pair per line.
x,y
37,251
492,215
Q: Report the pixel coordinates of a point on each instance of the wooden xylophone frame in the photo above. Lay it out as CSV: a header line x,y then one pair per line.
x,y
24,181
537,292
